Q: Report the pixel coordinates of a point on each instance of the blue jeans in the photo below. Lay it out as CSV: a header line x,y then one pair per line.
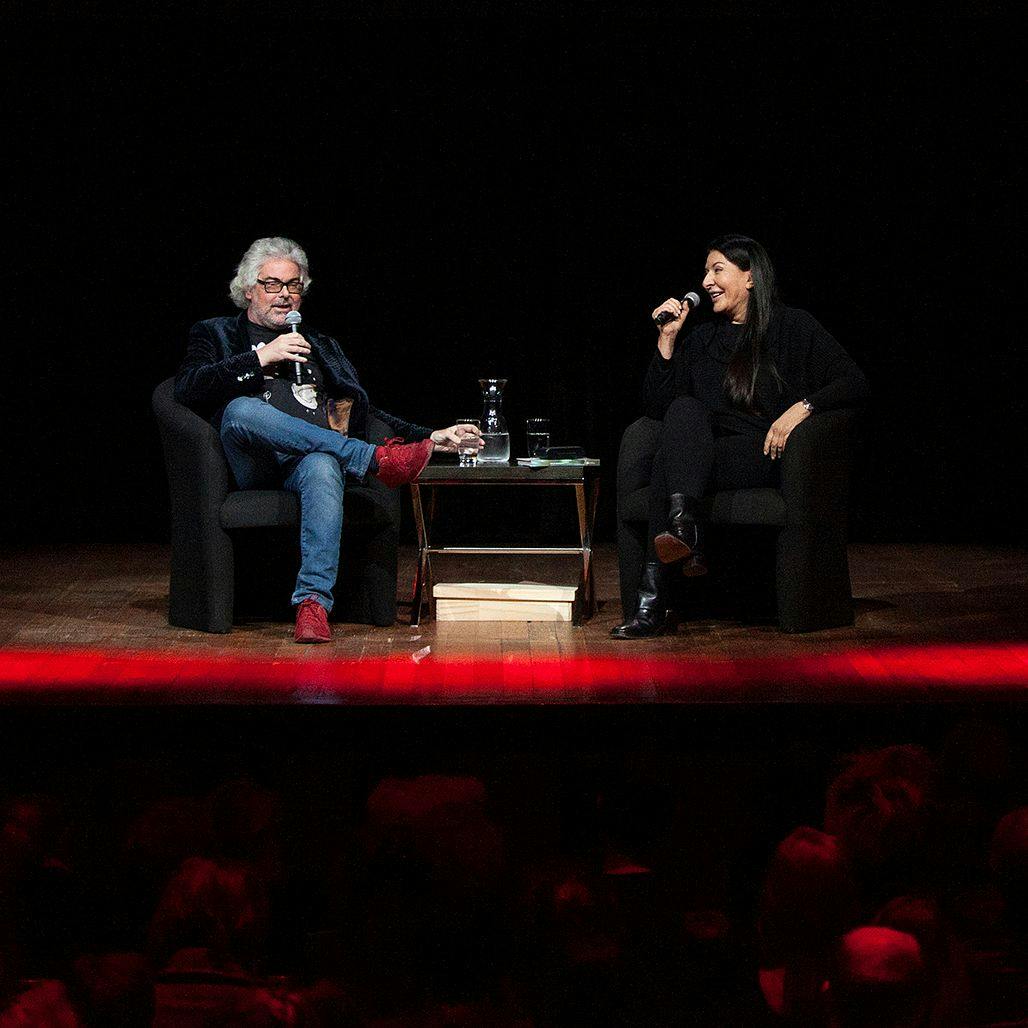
x,y
266,447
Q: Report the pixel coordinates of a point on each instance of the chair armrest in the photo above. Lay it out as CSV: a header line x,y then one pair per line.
x,y
379,431
198,474
816,466
377,497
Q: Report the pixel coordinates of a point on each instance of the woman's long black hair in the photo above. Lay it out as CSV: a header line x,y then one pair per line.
x,y
748,254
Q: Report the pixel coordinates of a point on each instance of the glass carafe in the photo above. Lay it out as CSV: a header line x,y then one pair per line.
x,y
494,425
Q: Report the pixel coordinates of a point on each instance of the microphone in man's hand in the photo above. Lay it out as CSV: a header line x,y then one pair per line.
x,y
293,319
691,300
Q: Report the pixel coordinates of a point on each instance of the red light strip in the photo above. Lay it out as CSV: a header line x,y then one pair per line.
x,y
853,675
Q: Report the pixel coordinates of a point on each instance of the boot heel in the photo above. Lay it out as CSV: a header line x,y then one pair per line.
x,y
694,567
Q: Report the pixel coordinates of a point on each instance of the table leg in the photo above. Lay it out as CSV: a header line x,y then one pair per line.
x,y
421,571
586,519
429,578
594,503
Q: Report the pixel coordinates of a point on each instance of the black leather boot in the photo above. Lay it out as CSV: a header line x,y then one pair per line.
x,y
651,611
683,539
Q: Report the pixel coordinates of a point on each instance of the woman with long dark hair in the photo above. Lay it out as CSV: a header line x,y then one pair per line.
x,y
728,393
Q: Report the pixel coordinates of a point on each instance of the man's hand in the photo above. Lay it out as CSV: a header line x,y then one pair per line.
x,y
774,442
447,439
291,346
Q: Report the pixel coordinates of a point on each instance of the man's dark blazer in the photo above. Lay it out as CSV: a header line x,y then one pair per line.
x,y
220,365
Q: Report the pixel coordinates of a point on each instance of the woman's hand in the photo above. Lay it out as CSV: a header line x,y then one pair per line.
x,y
447,439
669,330
774,442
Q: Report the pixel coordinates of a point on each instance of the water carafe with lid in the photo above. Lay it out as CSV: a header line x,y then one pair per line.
x,y
494,425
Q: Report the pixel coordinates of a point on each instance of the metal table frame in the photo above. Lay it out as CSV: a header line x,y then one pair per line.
x,y
586,482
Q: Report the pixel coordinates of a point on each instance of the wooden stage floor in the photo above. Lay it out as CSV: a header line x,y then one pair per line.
x,y
88,623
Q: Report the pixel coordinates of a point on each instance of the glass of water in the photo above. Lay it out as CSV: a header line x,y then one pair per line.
x,y
537,432
467,455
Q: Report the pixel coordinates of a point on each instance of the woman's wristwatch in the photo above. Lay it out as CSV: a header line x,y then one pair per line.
x,y
807,406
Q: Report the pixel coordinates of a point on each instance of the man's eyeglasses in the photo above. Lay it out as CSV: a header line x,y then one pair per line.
x,y
274,285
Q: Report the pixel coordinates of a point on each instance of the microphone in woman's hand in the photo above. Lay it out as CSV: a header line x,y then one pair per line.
x,y
691,300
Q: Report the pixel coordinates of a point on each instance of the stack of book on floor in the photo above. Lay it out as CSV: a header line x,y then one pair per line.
x,y
502,601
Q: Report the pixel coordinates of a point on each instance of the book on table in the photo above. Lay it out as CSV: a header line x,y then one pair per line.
x,y
540,462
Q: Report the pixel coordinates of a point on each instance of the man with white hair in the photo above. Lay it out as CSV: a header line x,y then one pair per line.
x,y
291,412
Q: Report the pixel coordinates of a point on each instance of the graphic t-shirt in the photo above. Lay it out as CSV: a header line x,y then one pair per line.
x,y
293,388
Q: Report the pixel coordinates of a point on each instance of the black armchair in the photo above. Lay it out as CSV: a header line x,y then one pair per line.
x,y
206,508
812,582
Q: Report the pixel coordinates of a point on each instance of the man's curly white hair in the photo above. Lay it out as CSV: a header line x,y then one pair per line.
x,y
262,250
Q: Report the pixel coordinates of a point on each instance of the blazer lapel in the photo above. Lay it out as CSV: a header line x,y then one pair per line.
x,y
330,362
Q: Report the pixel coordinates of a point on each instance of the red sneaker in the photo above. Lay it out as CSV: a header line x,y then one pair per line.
x,y
312,622
402,462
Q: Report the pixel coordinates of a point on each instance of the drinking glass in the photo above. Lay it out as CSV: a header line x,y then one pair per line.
x,y
467,456
537,432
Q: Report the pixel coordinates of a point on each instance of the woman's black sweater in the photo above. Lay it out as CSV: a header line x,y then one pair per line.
x,y
811,365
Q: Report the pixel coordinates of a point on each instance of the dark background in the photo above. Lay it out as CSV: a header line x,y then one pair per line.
x,y
512,197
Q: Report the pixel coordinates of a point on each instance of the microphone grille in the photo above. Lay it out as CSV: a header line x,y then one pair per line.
x,y
294,318
692,299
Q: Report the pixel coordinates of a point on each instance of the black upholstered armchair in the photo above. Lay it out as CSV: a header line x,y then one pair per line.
x,y
206,509
812,582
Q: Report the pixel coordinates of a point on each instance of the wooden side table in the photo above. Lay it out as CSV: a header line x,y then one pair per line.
x,y
584,478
